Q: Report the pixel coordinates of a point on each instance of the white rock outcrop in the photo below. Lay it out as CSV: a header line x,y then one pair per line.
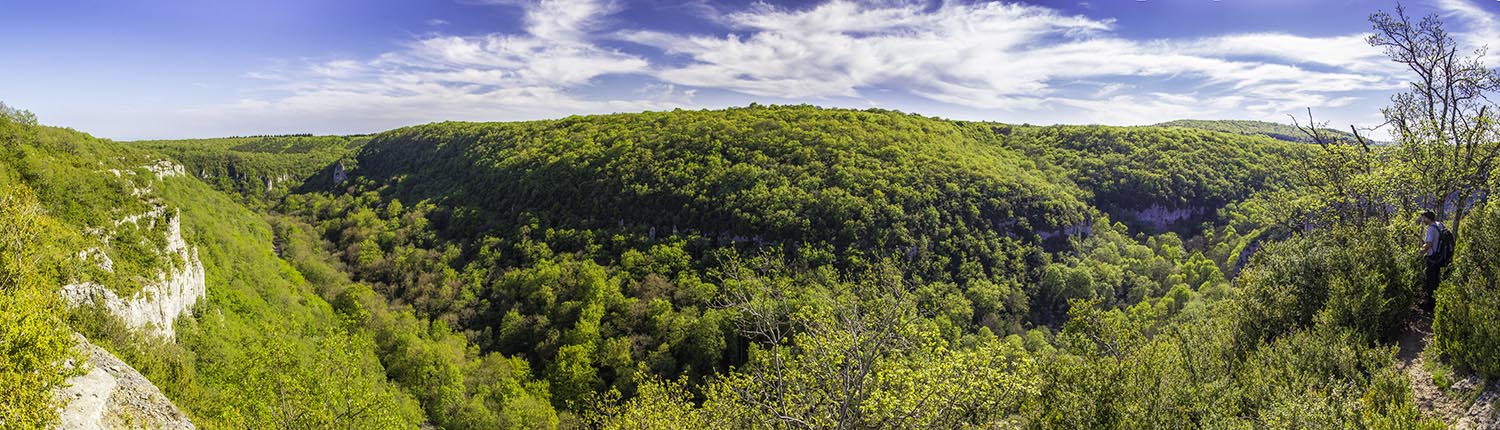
x,y
113,395
166,169
156,305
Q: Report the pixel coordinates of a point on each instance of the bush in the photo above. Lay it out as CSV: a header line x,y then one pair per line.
x,y
34,341
1354,277
1467,322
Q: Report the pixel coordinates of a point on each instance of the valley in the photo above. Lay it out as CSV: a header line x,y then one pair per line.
x,y
624,270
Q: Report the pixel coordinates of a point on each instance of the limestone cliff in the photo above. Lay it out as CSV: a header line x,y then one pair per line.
x,y
156,305
159,303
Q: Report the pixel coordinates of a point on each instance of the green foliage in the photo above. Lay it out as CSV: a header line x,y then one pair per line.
x,y
657,405
1328,376
457,387
105,209
1129,169
832,353
260,169
832,357
661,200
855,181
325,382
35,344
259,327
1360,278
1446,128
15,124
1110,267
904,272
1467,322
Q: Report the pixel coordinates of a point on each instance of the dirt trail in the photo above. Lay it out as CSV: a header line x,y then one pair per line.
x,y
1457,413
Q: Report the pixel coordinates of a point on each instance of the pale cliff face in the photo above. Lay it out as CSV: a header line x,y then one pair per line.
x,y
112,394
174,292
159,303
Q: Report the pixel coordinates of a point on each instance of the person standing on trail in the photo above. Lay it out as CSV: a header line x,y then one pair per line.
x,y
1437,250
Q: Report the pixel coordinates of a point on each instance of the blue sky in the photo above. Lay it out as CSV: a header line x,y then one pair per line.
x,y
127,69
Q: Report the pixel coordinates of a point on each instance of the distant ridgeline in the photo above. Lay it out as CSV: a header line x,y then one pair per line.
x,y
1272,130
649,169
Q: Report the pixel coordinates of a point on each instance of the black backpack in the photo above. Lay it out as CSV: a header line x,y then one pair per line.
x,y
1444,254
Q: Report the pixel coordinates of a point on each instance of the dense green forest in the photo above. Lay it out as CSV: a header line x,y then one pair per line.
x,y
838,268
266,349
763,267
640,288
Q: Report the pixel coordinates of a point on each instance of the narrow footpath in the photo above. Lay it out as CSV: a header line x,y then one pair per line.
x,y
1457,412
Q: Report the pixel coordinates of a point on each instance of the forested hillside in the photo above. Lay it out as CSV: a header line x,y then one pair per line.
x,y
743,268
263,349
261,169
757,267
699,268
764,267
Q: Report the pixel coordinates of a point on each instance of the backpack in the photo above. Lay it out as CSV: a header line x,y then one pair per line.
x,y
1444,254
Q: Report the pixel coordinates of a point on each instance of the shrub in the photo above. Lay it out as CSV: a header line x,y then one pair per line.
x,y
1467,322
34,341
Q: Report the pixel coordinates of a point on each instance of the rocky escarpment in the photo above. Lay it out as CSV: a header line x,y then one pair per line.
x,y
113,395
159,303
156,305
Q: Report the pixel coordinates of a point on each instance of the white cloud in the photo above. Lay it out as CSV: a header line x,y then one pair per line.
x,y
1483,28
338,69
265,76
566,20
1003,60
839,47
1008,57
1108,89
542,72
1348,51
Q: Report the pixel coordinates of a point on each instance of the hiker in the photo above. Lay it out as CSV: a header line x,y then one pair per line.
x,y
1437,251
